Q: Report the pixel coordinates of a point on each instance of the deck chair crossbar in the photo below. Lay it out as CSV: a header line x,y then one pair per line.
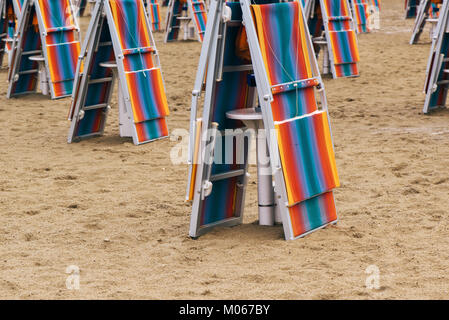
x,y
290,96
437,73
128,55
50,29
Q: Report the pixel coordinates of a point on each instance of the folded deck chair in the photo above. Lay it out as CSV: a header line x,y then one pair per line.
x,y
437,74
428,11
411,8
360,9
154,13
48,28
294,109
180,14
122,36
333,20
374,14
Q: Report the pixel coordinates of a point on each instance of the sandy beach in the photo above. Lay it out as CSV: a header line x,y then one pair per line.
x,y
117,211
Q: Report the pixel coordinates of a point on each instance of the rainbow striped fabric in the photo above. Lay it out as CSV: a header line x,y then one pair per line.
x,y
361,14
62,44
342,38
82,5
307,156
154,12
438,96
11,15
3,31
285,56
303,133
313,214
173,23
199,17
144,81
226,196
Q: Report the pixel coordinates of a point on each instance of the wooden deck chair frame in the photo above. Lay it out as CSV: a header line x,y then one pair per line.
x,y
210,60
19,54
191,14
102,17
437,72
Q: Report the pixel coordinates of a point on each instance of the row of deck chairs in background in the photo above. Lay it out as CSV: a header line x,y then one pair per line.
x,y
119,47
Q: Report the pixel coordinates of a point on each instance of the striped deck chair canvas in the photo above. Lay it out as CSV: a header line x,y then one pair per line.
x,y
341,38
376,3
314,18
303,133
176,8
231,91
185,9
360,9
154,13
125,32
411,8
437,74
46,27
428,9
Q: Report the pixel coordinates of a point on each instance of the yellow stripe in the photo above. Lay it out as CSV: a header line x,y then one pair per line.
x,y
286,177
330,148
304,43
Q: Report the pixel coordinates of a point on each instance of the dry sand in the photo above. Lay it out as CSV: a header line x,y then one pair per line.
x,y
60,202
